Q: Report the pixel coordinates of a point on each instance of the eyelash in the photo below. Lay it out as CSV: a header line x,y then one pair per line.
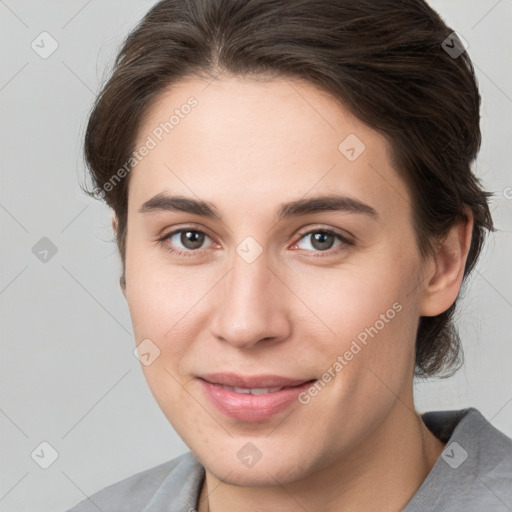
x,y
345,242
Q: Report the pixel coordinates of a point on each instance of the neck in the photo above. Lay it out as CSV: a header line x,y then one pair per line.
x,y
388,468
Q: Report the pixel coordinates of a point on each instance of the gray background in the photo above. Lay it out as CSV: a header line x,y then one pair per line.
x,y
68,374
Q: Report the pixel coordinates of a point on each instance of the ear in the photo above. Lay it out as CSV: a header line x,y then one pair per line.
x,y
447,266
122,284
122,280
114,223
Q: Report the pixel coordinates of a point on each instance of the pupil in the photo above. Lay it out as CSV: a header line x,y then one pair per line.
x,y
192,239
321,238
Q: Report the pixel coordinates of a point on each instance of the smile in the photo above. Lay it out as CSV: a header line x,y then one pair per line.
x,y
252,399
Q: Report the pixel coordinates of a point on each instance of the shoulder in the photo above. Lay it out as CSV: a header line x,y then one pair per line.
x,y
474,471
174,484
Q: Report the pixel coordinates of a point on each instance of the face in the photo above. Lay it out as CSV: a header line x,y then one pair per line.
x,y
321,303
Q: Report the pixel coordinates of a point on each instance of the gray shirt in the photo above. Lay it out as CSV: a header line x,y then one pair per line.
x,y
473,473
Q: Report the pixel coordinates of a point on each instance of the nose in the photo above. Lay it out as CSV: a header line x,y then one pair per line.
x,y
251,305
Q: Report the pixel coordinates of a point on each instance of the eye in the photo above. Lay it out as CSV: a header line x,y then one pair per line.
x,y
322,240
188,241
189,238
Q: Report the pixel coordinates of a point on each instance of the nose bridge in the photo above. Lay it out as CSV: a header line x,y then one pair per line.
x,y
248,310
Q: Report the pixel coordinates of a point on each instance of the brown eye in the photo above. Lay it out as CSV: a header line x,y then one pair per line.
x,y
192,239
323,240
185,241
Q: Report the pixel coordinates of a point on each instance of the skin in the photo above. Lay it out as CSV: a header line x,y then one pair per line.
x,y
248,147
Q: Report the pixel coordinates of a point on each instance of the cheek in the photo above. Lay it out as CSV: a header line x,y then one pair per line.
x,y
372,310
370,360
164,311
359,300
159,295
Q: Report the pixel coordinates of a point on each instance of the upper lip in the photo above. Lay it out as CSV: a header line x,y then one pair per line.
x,y
252,381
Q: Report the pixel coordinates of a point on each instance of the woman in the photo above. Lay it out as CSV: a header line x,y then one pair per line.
x,y
295,211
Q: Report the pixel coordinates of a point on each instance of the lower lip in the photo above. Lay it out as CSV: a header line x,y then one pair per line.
x,y
246,407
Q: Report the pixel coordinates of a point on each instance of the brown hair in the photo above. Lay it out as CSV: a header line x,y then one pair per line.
x,y
386,60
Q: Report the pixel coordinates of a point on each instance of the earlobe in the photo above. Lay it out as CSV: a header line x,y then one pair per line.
x,y
122,280
449,262
114,223
122,284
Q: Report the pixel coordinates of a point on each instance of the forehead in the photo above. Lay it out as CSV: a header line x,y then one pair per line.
x,y
252,140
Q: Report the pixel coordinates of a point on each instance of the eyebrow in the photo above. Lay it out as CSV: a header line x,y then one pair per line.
x,y
333,203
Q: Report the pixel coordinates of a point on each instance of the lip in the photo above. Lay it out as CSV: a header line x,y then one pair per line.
x,y
254,381
247,407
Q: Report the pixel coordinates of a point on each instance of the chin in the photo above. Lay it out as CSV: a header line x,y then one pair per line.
x,y
265,476
282,469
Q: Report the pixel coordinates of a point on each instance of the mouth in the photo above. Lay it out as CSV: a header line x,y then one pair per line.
x,y
266,381
253,391
252,398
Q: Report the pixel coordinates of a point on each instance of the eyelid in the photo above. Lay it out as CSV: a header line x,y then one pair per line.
x,y
346,240
345,235
162,239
